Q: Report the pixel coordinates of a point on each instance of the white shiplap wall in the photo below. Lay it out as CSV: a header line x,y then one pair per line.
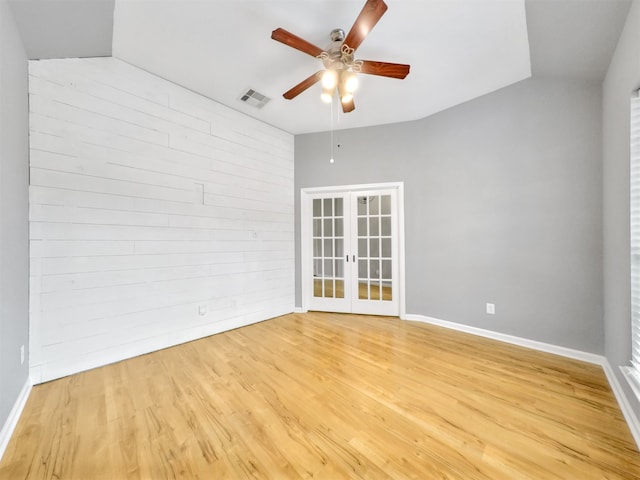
x,y
157,216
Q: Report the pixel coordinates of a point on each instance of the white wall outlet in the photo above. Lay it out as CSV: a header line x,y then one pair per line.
x,y
202,310
21,354
491,308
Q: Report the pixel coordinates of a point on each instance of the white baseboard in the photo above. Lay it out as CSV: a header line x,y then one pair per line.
x,y
629,415
14,416
522,342
73,364
299,310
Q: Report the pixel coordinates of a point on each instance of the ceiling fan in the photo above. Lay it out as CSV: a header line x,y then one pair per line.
x,y
340,67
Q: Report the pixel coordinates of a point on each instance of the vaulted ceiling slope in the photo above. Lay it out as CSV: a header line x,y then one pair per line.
x,y
574,38
65,28
458,49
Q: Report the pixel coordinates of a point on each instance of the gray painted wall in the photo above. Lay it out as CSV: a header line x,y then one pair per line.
x,y
14,213
503,205
622,78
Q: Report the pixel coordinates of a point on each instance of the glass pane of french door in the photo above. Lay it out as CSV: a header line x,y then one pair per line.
x,y
329,252
375,260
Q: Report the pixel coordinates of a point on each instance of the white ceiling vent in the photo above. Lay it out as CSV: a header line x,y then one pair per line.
x,y
255,99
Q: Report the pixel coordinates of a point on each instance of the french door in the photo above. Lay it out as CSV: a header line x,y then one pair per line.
x,y
351,260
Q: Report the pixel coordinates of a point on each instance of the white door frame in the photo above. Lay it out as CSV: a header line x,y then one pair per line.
x,y
306,264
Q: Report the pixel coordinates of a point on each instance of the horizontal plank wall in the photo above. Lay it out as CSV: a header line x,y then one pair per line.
x,y
157,216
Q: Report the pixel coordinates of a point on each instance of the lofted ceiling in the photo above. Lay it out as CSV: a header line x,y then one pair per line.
x,y
458,49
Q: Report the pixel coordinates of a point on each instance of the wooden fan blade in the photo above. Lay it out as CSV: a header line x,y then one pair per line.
x,y
303,85
288,38
369,16
385,69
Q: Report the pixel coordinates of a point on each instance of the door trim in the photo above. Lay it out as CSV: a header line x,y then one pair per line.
x,y
306,226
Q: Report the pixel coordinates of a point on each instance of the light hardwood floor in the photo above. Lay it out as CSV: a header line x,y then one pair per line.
x,y
328,396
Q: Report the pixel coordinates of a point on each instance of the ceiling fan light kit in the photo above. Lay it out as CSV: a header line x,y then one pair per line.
x,y
329,79
340,66
327,95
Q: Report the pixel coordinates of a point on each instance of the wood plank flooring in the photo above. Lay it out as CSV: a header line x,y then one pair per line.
x,y
328,396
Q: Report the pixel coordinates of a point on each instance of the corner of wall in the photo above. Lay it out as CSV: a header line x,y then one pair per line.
x,y
14,416
623,76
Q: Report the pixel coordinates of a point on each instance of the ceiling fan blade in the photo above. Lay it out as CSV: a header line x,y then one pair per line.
x,y
288,38
385,69
369,16
303,85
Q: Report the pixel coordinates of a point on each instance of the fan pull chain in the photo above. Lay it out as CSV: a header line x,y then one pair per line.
x,y
331,160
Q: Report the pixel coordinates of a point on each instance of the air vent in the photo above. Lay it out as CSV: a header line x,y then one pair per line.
x,y
255,99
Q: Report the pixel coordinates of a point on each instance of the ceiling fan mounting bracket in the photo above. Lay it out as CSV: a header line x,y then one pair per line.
x,y
337,35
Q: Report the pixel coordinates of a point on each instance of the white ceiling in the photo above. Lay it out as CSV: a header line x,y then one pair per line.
x,y
458,49
574,38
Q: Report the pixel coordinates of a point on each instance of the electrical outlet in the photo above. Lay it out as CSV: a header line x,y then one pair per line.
x,y
21,354
202,310
491,308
